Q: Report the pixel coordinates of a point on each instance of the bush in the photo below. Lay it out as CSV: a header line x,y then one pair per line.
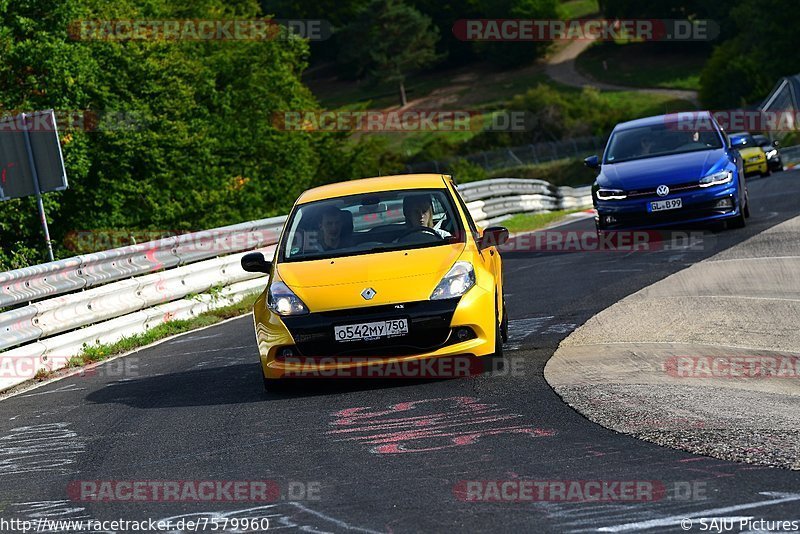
x,y
464,171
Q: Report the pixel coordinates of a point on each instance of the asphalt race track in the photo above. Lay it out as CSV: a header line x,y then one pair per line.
x,y
383,456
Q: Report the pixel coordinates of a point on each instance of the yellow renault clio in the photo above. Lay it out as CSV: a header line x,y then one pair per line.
x,y
380,270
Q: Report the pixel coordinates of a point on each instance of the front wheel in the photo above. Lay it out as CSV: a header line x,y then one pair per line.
x,y
738,221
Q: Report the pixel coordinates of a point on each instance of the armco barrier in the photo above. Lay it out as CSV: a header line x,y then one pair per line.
x,y
105,296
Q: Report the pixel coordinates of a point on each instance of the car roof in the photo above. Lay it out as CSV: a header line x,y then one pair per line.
x,y
739,133
659,119
372,185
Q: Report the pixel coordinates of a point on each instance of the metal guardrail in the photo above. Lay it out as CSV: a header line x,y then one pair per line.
x,y
532,154
101,297
790,156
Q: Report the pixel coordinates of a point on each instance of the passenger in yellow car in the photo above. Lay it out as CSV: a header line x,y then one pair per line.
x,y
333,232
418,211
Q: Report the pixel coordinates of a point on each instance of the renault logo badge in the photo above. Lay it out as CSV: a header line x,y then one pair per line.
x,y
368,293
662,190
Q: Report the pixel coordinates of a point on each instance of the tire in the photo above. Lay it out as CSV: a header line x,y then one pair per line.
x,y
504,324
739,221
747,207
273,385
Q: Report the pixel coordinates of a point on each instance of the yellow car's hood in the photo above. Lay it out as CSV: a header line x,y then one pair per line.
x,y
396,276
752,152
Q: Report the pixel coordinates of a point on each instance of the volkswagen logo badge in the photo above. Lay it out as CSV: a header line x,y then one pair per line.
x,y
662,190
368,293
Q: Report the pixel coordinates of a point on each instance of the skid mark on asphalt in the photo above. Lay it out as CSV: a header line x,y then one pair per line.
x,y
50,447
637,517
427,425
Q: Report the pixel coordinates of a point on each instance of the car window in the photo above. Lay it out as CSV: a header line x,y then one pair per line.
x,y
658,140
370,223
470,222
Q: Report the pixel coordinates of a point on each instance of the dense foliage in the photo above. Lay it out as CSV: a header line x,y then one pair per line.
x,y
757,44
186,137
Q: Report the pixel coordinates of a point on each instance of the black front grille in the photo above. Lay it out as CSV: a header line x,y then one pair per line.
x,y
428,329
644,219
651,192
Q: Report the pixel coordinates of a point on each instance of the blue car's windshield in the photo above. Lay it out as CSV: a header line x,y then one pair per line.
x,y
743,140
658,140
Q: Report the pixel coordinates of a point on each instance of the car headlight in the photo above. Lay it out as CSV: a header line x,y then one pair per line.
x,y
611,194
772,153
717,178
283,301
458,280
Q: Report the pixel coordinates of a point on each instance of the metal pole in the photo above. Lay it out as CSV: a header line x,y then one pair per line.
x,y
37,188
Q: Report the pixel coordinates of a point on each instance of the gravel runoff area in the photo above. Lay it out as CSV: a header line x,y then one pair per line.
x,y
705,360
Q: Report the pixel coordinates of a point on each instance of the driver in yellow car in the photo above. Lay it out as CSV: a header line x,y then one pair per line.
x,y
418,211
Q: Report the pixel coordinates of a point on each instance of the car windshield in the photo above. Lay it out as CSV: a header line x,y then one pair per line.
x,y
373,222
762,140
658,140
736,139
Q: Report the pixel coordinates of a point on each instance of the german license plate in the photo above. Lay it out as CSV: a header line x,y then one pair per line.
x,y
373,330
670,204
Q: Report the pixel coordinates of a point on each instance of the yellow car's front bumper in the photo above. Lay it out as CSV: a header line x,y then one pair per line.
x,y
755,167
475,310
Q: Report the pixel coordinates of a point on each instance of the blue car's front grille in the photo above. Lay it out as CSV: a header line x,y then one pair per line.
x,y
651,192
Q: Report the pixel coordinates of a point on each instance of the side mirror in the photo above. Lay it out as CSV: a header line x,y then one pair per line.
x,y
494,236
593,162
254,262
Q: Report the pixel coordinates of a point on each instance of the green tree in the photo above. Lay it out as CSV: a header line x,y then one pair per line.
x,y
200,143
743,69
513,54
387,40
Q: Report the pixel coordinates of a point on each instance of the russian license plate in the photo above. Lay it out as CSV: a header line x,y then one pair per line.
x,y
670,204
373,330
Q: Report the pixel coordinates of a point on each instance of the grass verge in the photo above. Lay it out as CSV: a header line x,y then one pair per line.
x,y
97,353
523,222
649,64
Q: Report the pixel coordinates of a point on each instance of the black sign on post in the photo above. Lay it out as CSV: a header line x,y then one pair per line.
x,y
31,162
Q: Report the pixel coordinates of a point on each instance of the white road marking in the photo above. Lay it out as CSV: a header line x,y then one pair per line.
x,y
714,512
65,389
187,339
519,329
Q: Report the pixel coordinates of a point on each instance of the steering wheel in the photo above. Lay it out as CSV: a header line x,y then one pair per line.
x,y
417,230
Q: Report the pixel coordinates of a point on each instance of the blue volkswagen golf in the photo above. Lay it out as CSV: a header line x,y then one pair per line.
x,y
657,172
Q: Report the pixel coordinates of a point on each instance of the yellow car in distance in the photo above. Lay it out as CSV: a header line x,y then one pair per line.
x,y
754,159
378,272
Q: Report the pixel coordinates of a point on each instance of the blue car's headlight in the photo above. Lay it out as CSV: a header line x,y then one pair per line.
x,y
611,194
717,178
